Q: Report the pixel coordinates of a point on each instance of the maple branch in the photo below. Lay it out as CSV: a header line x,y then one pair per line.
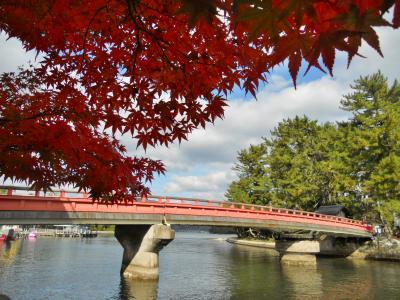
x,y
131,8
132,13
136,52
163,13
38,115
158,40
138,42
87,32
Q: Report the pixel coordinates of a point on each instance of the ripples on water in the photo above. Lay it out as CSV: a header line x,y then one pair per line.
x,y
193,266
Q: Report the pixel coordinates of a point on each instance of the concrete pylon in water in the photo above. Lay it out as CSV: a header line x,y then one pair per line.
x,y
297,252
141,244
304,252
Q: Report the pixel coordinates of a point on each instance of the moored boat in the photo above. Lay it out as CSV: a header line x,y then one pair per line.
x,y
8,233
32,235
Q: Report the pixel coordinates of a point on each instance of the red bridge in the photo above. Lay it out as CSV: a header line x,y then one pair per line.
x,y
18,207
142,227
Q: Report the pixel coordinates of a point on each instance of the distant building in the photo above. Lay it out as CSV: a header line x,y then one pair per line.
x,y
332,210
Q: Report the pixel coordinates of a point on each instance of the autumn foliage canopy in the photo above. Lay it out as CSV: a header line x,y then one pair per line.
x,y
154,70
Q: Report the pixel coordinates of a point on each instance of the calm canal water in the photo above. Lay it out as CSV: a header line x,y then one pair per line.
x,y
193,266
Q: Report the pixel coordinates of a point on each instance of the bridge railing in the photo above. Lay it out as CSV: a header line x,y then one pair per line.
x,y
165,201
248,207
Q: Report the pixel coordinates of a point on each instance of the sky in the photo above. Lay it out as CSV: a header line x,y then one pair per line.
x,y
202,166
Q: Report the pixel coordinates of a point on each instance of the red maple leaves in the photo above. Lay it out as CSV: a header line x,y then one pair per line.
x,y
154,69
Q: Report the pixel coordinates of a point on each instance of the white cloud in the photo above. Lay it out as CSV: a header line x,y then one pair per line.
x,y
214,150
247,121
12,54
211,185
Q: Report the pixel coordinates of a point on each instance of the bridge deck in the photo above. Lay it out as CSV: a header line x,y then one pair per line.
x,y
41,209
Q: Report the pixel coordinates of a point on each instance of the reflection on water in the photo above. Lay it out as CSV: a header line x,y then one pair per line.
x,y
138,289
194,266
9,251
303,280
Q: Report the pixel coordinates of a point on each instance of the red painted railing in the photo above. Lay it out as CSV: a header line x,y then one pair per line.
x,y
63,200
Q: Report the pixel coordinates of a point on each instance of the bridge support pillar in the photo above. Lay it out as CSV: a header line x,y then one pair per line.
x,y
141,244
303,252
298,252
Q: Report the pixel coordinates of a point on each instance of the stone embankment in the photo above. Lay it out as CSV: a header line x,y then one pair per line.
x,y
385,249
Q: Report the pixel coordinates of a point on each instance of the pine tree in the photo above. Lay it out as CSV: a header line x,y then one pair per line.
x,y
253,184
298,167
306,164
374,143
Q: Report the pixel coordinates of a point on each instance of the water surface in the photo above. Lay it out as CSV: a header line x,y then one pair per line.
x,y
193,266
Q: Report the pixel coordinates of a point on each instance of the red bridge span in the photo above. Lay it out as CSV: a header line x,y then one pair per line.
x,y
19,206
142,227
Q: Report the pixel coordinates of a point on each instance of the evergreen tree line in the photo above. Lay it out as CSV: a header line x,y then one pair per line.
x,y
306,164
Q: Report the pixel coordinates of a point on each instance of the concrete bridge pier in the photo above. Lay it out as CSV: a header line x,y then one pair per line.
x,y
141,244
304,252
298,252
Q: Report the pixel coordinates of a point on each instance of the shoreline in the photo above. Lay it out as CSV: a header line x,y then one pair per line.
x,y
373,252
252,243
365,252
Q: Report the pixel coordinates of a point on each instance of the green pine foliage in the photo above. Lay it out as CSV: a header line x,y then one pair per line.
x,y
253,184
305,164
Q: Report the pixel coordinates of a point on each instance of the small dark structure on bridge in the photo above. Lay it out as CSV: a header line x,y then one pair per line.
x,y
332,210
